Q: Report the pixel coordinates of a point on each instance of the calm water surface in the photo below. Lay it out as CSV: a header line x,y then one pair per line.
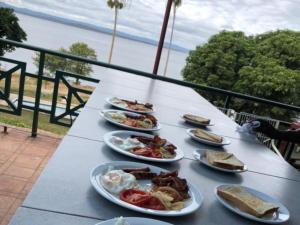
x,y
132,54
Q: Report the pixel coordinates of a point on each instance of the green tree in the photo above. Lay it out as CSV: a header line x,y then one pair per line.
x,y
116,5
10,29
54,63
176,4
83,50
283,45
265,65
268,79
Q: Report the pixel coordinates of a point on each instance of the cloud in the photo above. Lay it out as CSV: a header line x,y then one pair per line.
x,y
196,19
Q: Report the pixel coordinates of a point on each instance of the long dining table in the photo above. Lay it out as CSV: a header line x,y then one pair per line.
x,y
64,195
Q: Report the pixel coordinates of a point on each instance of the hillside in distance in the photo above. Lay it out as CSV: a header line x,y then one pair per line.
x,y
88,26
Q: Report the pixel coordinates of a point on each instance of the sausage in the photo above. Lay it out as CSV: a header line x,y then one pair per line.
x,y
140,175
129,170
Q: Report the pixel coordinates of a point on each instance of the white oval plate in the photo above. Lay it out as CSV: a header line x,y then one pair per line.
x,y
109,101
281,216
196,123
191,205
103,114
200,156
204,141
125,134
135,221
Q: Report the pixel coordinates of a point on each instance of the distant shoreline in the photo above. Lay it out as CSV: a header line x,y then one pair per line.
x,y
88,26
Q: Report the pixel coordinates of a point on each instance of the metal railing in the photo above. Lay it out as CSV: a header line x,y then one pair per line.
x,y
228,95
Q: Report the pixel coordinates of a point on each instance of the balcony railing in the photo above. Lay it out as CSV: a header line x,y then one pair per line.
x,y
73,92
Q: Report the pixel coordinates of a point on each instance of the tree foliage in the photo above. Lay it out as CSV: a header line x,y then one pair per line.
x,y
266,65
10,29
54,63
118,4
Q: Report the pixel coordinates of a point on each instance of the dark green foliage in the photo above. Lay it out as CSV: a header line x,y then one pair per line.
x,y
266,65
54,63
9,29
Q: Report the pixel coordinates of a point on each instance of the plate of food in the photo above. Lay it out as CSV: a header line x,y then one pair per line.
x,y
219,160
132,221
145,188
143,146
208,138
129,105
252,204
131,120
197,120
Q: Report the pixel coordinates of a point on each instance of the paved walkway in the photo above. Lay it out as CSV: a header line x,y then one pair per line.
x,y
22,159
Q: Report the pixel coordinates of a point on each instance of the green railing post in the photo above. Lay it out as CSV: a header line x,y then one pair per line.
x,y
227,101
38,95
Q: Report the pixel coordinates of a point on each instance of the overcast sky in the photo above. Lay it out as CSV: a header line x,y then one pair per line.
x,y
196,19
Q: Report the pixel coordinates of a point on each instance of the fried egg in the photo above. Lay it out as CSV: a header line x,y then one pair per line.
x,y
114,181
128,143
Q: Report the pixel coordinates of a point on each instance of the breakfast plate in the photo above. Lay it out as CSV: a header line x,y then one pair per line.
x,y
282,214
196,122
133,221
191,133
123,142
131,120
200,156
121,192
129,105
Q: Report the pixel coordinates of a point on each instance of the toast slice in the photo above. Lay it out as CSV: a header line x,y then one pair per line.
x,y
223,160
246,201
211,156
197,119
208,136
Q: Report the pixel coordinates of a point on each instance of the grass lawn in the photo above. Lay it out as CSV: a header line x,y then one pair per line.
x,y
25,121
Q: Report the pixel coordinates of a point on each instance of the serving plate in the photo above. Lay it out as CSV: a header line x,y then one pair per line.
x,y
109,100
281,216
197,123
125,134
200,156
191,205
135,221
104,114
225,141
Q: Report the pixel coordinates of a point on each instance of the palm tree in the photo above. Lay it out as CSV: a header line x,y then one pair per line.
x,y
116,5
176,4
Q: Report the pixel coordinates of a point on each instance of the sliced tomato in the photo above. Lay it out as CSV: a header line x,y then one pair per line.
x,y
135,197
156,154
147,151
142,199
154,203
142,151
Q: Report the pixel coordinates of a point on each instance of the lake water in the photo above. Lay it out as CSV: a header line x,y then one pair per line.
x,y
132,54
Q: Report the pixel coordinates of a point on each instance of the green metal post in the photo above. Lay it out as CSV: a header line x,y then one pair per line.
x,y
38,95
227,102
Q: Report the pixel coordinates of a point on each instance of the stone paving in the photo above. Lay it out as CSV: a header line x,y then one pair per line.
x,y
22,159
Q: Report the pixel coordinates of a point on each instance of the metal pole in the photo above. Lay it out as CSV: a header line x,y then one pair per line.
x,y
227,102
162,36
38,95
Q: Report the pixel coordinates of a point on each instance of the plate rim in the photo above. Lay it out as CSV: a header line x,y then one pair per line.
x,y
106,137
108,100
203,141
195,152
247,215
102,114
134,218
199,198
